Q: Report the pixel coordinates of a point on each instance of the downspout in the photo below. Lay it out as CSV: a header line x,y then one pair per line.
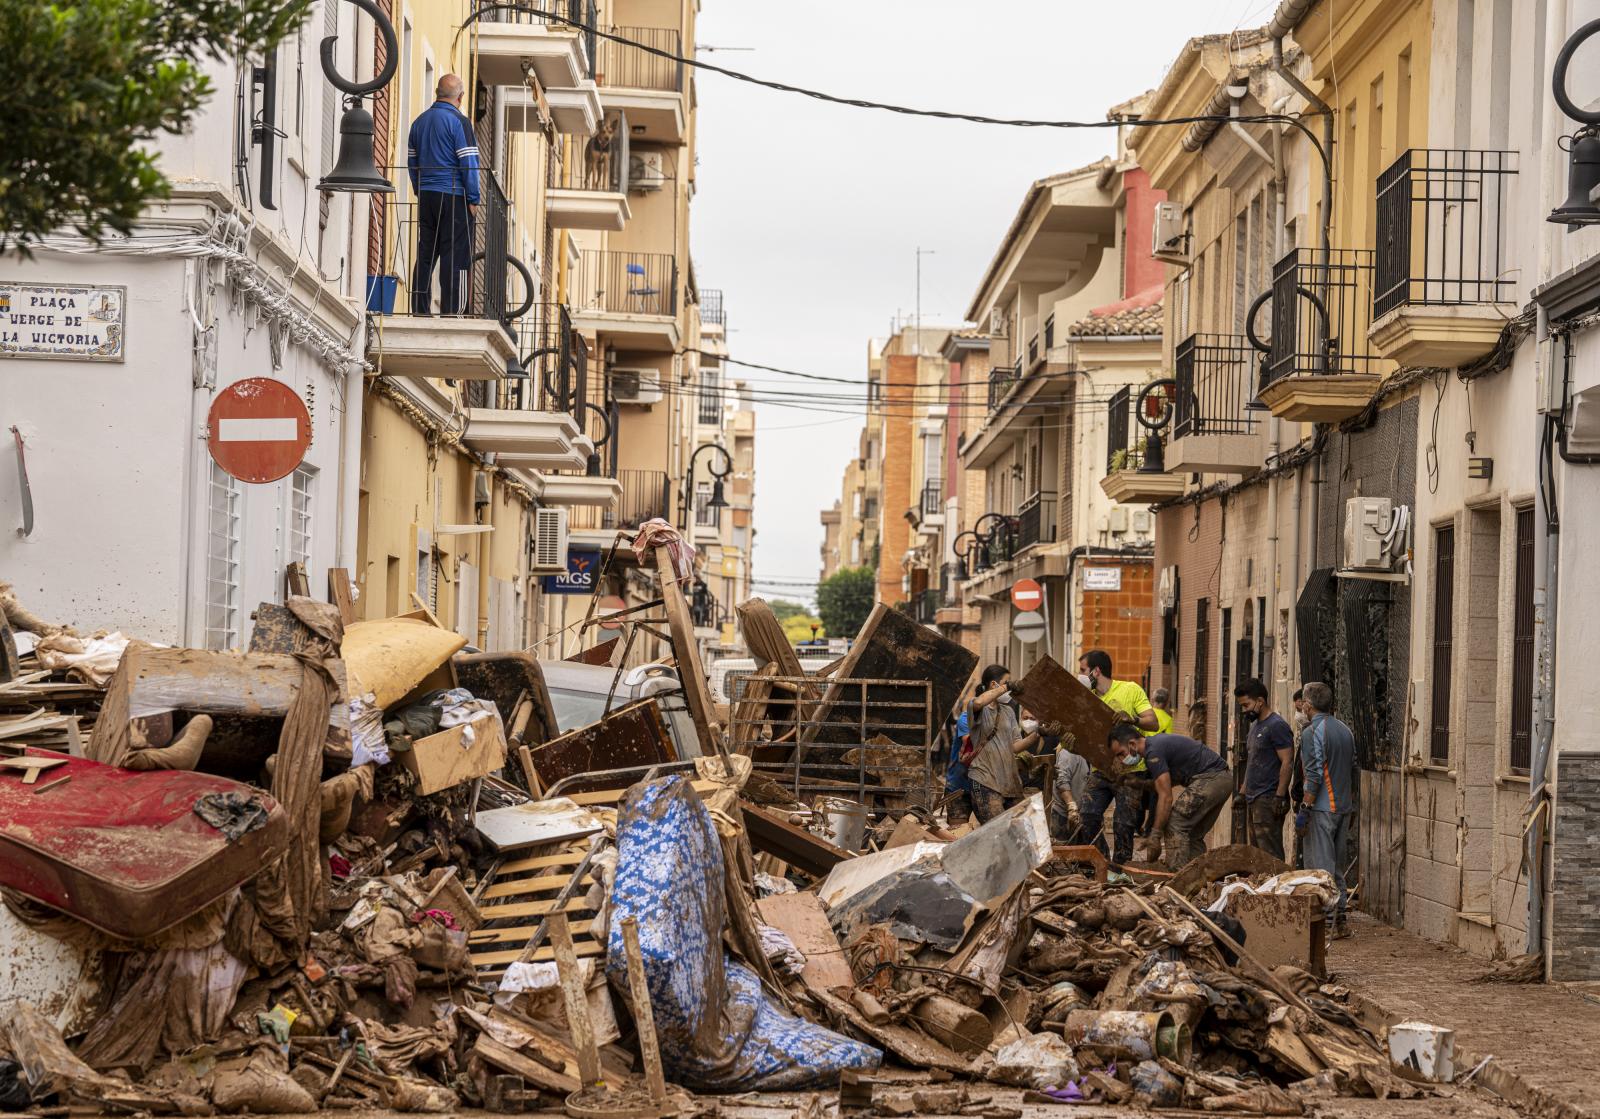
x,y
1546,560
485,556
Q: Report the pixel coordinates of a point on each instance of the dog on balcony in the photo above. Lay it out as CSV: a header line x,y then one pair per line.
x,y
598,156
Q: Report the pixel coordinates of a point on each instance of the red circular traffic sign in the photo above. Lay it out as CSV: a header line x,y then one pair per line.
x,y
258,430
1026,594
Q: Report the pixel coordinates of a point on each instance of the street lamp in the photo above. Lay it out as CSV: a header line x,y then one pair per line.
x,y
356,171
1583,150
717,501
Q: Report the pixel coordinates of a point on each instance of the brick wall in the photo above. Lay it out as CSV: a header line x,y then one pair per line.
x,y
1575,912
1119,621
900,379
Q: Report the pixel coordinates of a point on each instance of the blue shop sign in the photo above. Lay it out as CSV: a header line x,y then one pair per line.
x,y
583,568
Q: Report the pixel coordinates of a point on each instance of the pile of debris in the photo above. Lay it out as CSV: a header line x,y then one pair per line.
x,y
355,867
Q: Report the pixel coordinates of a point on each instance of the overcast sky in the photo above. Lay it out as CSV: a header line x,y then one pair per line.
x,y
809,215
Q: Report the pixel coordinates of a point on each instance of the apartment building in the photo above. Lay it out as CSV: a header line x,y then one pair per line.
x,y
967,352
1070,304
913,410
861,488
831,549
114,355
507,447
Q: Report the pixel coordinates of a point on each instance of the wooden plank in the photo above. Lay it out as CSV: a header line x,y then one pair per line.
x,y
339,594
525,909
483,960
532,1071
776,836
633,735
691,674
644,1017
577,1000
539,862
517,887
520,933
802,917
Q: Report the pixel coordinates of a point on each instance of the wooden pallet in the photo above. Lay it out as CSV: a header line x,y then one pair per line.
x,y
523,893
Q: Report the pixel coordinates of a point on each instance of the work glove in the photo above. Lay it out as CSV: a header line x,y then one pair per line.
x,y
1280,806
1302,819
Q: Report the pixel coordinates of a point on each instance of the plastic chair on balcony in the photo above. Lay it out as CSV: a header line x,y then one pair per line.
x,y
636,275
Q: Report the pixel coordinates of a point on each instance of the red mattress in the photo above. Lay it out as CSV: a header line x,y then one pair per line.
x,y
124,851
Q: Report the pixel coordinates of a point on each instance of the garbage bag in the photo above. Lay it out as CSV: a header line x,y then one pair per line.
x,y
1042,1061
717,1029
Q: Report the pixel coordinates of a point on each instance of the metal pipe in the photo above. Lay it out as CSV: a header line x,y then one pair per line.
x,y
1293,9
485,555
1236,94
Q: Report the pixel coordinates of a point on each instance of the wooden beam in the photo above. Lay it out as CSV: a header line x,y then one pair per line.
x,y
691,676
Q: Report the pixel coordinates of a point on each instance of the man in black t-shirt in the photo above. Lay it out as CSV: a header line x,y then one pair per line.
x,y
1270,749
1175,759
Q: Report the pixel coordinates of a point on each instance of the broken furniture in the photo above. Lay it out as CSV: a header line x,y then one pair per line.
x,y
132,853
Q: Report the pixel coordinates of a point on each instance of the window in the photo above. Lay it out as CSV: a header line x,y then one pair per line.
x,y
1444,565
741,536
1202,646
1224,684
224,501
301,484
704,515
424,567
710,396
1522,649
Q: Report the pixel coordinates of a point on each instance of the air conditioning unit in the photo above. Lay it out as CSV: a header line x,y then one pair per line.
x,y
647,171
1370,531
636,386
549,541
1168,239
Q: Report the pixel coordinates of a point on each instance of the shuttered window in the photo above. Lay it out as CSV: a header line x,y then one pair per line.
x,y
1444,567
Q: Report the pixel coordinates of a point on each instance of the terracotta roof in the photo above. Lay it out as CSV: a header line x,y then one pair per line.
x,y
1119,324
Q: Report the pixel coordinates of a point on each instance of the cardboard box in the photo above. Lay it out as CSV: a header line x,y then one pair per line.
x,y
441,761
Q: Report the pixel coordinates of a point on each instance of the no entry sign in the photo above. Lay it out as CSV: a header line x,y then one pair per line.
x,y
259,430
1028,626
1026,594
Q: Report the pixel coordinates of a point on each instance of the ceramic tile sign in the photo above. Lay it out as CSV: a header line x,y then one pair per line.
x,y
63,322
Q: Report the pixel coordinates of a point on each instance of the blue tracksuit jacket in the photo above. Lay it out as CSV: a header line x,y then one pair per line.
x,y
442,154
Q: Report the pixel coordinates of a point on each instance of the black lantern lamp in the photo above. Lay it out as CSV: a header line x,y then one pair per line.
x,y
717,500
356,170
1583,146
592,466
1155,422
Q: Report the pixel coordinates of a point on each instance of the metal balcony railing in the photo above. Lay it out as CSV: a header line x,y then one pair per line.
x,y
646,494
703,606
580,16
626,66
1034,353
447,259
1216,381
1049,333
932,498
1036,520
711,313
1441,229
1002,379
926,605
1124,436
626,283
599,163
1321,311
709,410
556,359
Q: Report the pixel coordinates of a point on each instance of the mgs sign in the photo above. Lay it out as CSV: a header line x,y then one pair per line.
x,y
57,321
578,578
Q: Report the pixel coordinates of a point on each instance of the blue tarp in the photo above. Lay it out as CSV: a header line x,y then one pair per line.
x,y
718,1031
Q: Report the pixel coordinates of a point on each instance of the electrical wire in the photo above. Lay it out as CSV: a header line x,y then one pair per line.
x,y
864,103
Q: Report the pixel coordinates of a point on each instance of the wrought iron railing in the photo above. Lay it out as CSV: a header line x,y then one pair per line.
x,y
932,498
1036,520
556,360
1034,353
626,66
580,16
620,282
1124,436
711,307
1321,312
450,257
1216,381
1002,379
927,605
1441,229
1049,333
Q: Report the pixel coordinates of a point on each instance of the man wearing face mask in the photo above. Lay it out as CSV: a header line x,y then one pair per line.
x,y
997,739
1128,700
1184,818
1269,748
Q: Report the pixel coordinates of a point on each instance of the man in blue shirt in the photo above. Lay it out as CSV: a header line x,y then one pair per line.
x,y
1328,751
957,784
442,161
1270,748
1175,759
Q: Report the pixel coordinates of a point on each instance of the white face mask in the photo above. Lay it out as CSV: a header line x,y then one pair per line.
x,y
1130,760
1029,726
1005,697
1301,720
1086,682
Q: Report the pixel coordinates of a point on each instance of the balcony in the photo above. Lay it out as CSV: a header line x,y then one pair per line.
x,y
1321,367
438,316
588,187
1213,427
711,308
535,422
932,504
1036,520
1441,293
642,495
1002,379
646,85
1127,440
631,298
514,43
925,605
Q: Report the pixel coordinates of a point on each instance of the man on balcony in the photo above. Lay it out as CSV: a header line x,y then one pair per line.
x,y
442,160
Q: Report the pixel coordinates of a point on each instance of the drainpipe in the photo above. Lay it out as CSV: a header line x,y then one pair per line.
x,y
485,555
1546,560
1288,15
